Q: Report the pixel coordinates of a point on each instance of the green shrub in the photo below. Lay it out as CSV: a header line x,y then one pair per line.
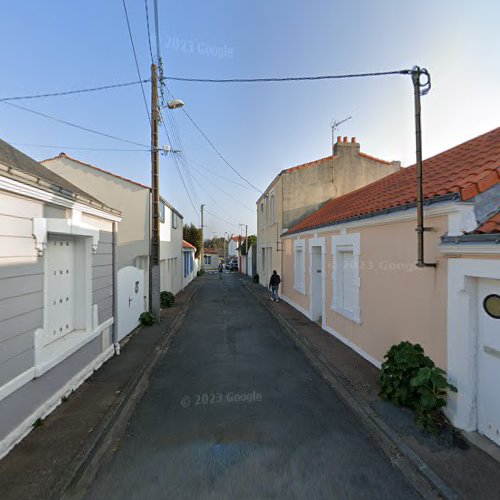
x,y
409,378
201,272
147,319
255,278
167,299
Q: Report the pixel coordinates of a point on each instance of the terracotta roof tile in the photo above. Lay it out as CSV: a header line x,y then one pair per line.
x,y
492,225
186,244
469,169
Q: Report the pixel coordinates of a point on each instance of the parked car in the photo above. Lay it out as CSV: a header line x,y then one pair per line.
x,y
233,265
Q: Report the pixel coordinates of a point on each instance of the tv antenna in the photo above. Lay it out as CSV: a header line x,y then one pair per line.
x,y
334,126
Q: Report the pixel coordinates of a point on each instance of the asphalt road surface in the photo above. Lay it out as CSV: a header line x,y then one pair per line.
x,y
234,410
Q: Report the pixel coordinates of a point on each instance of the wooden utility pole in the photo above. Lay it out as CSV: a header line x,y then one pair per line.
x,y
202,258
246,247
154,258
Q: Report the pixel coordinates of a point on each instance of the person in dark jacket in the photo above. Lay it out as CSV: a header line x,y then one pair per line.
x,y
274,284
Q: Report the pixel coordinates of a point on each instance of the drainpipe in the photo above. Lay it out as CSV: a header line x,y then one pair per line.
x,y
420,88
115,292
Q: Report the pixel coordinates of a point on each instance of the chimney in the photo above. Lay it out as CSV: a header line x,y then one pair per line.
x,y
344,146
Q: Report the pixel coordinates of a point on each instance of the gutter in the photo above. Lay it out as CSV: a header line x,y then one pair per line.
x,y
385,211
472,238
40,183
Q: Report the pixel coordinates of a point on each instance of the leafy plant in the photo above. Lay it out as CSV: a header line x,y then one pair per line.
x,y
255,278
410,378
201,272
147,319
38,423
167,299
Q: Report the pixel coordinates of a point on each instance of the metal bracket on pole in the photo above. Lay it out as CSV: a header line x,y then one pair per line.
x,y
421,86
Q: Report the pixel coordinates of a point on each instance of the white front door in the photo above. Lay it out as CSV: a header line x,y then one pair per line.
x,y
488,391
130,298
316,283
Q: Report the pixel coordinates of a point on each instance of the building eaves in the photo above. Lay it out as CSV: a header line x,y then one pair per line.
x,y
20,167
112,174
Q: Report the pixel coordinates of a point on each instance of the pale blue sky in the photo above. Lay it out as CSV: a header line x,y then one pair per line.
x,y
260,129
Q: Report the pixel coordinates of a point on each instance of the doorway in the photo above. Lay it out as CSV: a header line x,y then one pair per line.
x,y
488,362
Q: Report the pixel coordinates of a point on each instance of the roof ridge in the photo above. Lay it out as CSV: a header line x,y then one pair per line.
x,y
65,155
468,169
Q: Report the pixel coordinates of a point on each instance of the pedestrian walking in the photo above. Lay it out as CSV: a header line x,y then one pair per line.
x,y
221,269
274,284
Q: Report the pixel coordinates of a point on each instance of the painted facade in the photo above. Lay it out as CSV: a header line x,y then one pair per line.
x,y
57,291
190,263
299,191
133,200
233,244
211,259
352,267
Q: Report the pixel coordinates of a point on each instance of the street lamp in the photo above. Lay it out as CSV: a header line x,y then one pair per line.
x,y
175,104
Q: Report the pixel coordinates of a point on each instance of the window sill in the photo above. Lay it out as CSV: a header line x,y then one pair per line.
x,y
347,314
50,355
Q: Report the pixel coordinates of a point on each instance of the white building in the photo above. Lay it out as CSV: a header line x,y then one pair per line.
x,y
233,244
190,264
57,290
211,259
133,200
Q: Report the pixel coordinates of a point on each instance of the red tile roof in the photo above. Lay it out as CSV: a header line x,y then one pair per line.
x,y
492,225
467,169
211,250
186,244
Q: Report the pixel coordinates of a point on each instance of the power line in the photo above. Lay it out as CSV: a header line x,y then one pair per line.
x,y
62,148
220,218
201,80
157,33
213,172
135,59
70,124
218,152
289,78
227,194
74,91
149,31
205,191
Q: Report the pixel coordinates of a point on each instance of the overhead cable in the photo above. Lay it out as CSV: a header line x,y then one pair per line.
x,y
70,124
74,91
135,60
289,78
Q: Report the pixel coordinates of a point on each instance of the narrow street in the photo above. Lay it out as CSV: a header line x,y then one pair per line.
x,y
233,410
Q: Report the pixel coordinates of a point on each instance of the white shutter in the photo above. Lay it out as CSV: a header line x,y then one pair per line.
x,y
61,287
348,298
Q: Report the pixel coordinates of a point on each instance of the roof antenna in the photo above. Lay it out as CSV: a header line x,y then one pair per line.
x,y
334,126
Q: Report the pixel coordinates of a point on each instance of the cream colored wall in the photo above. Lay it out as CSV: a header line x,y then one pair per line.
x,y
288,274
398,301
268,235
302,191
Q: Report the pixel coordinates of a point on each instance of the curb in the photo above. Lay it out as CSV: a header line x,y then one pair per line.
x,y
418,473
86,464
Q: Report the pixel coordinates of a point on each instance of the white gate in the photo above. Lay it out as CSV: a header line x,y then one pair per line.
x,y
130,299
488,400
